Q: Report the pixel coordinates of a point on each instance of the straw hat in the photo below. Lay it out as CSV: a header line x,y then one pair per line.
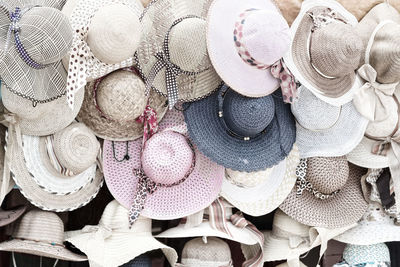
x,y
40,233
106,35
140,261
289,239
35,36
206,252
114,102
172,56
9,216
324,36
6,183
334,186
186,180
241,133
237,37
338,132
370,255
59,172
112,242
259,193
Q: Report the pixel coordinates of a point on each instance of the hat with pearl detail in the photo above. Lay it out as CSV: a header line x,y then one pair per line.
x,y
250,36
106,36
242,133
172,56
325,51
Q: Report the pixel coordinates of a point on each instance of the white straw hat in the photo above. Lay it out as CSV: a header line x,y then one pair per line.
x,y
112,242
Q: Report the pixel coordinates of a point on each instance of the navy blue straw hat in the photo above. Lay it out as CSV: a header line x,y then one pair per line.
x,y
242,133
140,261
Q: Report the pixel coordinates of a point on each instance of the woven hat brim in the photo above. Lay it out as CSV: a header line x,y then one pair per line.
x,y
41,249
243,78
362,156
260,153
346,208
114,130
11,4
156,20
10,216
282,180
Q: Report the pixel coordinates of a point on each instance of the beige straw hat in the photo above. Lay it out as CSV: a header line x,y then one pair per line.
x,y
325,51
59,172
112,242
172,56
113,103
40,233
6,183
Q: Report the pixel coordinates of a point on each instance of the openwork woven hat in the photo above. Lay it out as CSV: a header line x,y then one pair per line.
x,y
40,233
336,133
326,184
259,193
112,242
368,255
9,216
242,133
325,51
58,172
248,36
172,56
113,105
186,180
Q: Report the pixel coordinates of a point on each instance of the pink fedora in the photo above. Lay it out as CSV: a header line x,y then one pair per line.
x,y
244,39
182,181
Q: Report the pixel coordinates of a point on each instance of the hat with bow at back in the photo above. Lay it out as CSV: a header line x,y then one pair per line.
x,y
113,242
369,256
325,51
289,239
218,221
326,184
241,133
40,233
166,178
172,56
336,133
116,105
106,36
58,172
250,36
259,193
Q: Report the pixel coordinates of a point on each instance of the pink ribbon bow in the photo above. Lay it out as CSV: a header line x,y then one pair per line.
x,y
287,81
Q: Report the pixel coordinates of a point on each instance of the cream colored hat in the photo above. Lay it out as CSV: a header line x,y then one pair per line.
x,y
106,35
259,193
112,242
172,56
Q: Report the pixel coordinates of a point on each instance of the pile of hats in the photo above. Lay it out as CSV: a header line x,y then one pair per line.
x,y
206,111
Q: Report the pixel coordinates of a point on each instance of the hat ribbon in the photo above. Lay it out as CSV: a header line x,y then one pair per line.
x,y
171,70
150,124
287,81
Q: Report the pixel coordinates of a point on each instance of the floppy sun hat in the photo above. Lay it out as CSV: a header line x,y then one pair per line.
x,y
172,56
242,133
325,51
250,36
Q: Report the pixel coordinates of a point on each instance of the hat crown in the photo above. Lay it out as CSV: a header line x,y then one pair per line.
x,y
327,174
284,226
40,226
214,250
167,157
76,147
247,116
121,96
46,34
359,254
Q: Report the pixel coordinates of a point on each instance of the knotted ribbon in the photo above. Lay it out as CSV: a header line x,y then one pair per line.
x,y
150,124
287,81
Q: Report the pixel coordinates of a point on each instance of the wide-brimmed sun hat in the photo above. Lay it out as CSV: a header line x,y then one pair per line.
x,y
40,233
114,104
10,216
325,51
259,193
113,242
106,36
186,180
58,172
326,184
368,255
242,133
250,36
324,130
172,56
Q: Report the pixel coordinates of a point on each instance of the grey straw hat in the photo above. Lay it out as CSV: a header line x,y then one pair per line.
x,y
242,133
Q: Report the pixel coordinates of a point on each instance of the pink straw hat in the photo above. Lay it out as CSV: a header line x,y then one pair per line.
x,y
186,180
250,36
